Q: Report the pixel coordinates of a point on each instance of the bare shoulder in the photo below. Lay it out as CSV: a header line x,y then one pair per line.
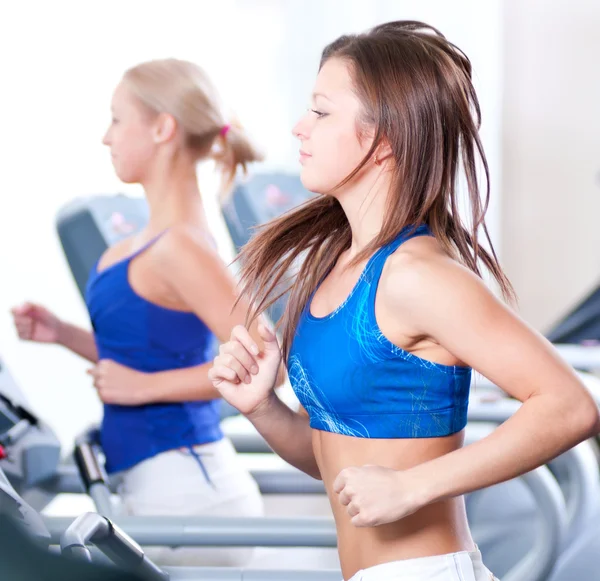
x,y
185,243
420,277
115,253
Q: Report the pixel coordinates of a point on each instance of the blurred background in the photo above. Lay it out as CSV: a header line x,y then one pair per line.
x,y
535,68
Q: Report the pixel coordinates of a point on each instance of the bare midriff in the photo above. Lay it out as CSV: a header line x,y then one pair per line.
x,y
436,529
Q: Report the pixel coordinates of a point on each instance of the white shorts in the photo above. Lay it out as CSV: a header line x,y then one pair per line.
x,y
208,480
461,566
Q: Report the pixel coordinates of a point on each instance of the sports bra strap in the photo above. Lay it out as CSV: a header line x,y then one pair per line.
x,y
150,242
379,258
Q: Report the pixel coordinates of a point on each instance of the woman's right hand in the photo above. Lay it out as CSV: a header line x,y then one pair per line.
x,y
36,323
245,377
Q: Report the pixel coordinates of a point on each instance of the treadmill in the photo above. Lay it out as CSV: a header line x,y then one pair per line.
x,y
88,225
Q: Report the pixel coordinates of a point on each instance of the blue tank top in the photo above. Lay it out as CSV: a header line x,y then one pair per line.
x,y
352,380
144,336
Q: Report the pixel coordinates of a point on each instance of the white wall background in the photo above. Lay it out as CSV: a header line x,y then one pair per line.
x,y
60,61
551,154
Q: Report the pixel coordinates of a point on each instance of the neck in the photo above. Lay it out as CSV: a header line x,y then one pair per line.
x,y
365,205
174,197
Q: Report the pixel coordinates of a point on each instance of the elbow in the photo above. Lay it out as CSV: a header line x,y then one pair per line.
x,y
593,421
585,420
316,474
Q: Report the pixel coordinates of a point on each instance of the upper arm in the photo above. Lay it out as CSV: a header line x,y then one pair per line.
x,y
199,278
451,305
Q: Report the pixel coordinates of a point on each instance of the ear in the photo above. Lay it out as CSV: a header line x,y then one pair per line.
x,y
165,128
383,151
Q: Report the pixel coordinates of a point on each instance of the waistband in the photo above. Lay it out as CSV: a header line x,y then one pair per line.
x,y
459,566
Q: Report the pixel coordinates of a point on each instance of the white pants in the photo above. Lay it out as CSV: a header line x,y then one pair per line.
x,y
210,481
461,566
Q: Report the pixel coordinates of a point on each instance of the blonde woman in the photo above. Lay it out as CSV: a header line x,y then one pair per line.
x,y
156,302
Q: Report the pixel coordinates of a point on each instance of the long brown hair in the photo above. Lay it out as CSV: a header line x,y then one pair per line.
x,y
416,93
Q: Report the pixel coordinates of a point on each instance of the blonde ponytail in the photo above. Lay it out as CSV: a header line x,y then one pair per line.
x,y
183,90
236,151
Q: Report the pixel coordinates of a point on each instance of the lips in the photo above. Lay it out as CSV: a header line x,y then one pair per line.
x,y
304,156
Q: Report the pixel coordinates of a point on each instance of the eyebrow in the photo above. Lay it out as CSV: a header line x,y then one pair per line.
x,y
315,95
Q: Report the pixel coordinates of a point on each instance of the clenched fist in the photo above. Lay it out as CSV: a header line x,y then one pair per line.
x,y
375,495
36,323
244,376
117,384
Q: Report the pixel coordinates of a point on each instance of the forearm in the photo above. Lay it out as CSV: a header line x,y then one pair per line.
x,y
288,433
543,428
187,384
285,431
79,341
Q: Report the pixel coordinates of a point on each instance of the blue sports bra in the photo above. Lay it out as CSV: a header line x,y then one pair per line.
x,y
147,337
352,380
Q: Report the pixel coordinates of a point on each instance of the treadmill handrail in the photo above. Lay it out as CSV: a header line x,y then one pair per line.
x,y
276,532
205,531
320,532
287,481
92,528
583,496
551,530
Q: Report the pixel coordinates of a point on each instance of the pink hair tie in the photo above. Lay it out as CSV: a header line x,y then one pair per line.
x,y
224,130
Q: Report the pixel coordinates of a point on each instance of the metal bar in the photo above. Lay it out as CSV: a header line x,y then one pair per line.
x,y
198,531
92,528
285,481
101,495
551,529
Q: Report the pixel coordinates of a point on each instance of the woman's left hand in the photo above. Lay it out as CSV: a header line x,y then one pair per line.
x,y
117,384
375,495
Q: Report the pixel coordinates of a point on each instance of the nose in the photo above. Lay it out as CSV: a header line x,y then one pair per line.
x,y
302,128
106,138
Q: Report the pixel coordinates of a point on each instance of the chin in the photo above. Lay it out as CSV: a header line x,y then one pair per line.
x,y
127,178
320,184
311,184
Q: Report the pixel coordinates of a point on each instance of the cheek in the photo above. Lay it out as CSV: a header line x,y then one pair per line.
x,y
346,153
335,156
132,153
